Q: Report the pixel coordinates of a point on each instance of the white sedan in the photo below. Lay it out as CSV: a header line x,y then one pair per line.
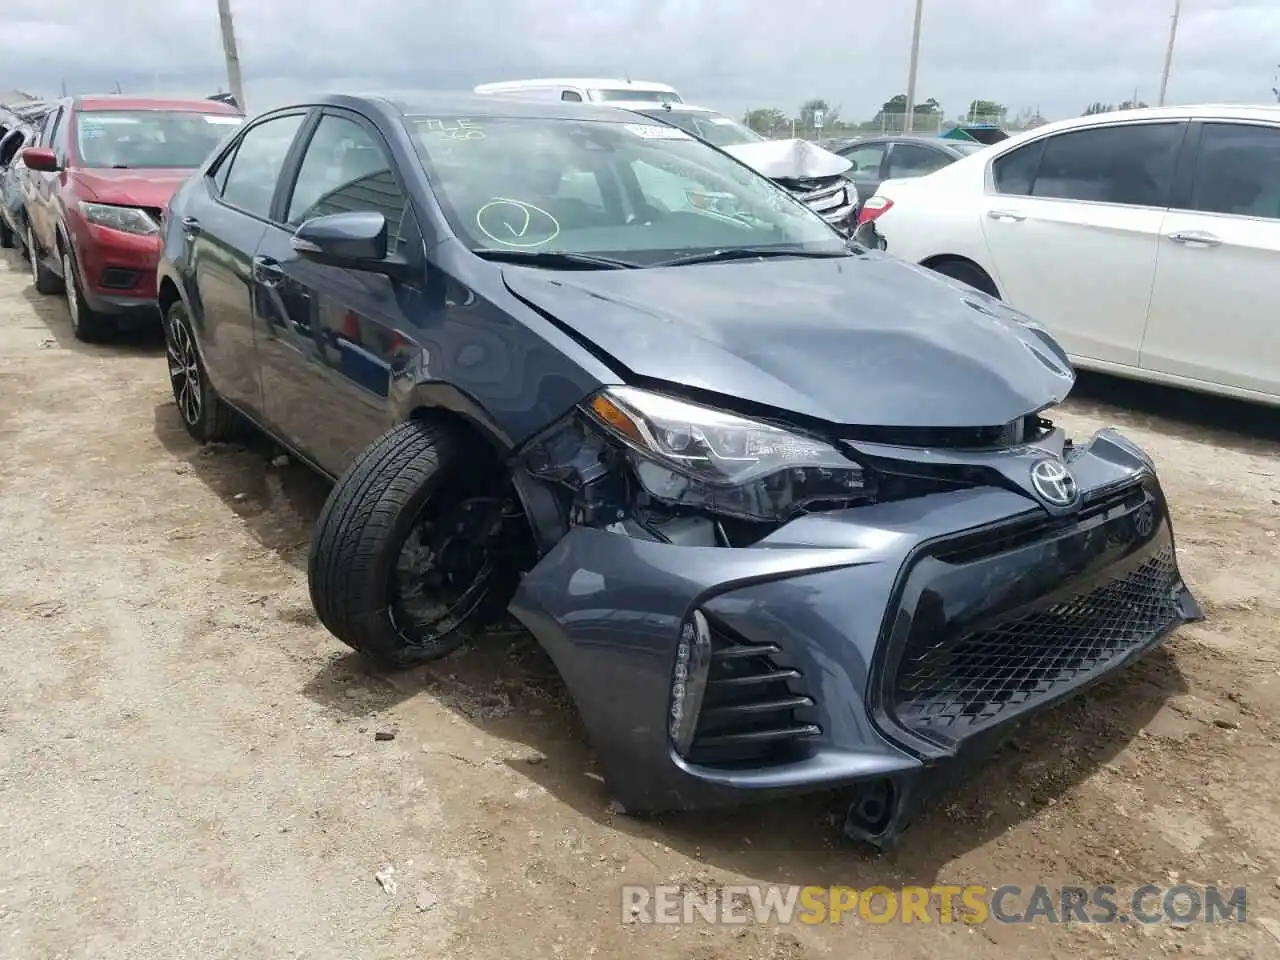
x,y
1146,241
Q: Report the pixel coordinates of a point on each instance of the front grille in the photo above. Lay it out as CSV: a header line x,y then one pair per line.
x,y
825,194
118,278
1025,429
755,710
956,687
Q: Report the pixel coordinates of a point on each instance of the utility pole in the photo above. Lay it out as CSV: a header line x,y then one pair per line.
x,y
1168,53
229,51
908,120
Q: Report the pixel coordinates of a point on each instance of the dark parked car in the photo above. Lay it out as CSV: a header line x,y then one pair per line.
x,y
12,225
877,159
787,515
97,179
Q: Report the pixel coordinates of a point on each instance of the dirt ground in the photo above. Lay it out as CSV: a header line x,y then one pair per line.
x,y
189,764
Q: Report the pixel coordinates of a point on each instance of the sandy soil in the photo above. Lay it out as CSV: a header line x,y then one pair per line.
x,y
188,763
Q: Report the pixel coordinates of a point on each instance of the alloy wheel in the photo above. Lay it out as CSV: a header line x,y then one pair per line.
x,y
73,297
184,372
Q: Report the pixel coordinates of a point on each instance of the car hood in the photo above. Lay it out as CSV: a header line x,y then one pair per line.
x,y
865,340
136,188
789,159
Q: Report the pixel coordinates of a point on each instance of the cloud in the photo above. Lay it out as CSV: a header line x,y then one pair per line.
x,y
1058,55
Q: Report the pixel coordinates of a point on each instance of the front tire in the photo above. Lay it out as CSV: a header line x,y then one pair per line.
x,y
205,415
88,325
418,547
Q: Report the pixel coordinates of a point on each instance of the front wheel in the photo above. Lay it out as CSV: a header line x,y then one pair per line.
x,y
87,324
418,547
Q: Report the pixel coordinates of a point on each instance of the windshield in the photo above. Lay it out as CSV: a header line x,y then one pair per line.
x,y
711,127
635,191
644,96
153,139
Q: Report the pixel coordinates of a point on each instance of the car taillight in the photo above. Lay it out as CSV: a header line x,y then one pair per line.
x,y
875,207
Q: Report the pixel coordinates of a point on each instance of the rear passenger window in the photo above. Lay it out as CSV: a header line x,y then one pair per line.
x,y
1129,164
571,95
1238,170
345,170
250,183
913,160
1015,172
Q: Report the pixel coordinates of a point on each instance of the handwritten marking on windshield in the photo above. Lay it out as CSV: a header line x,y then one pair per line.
x,y
513,219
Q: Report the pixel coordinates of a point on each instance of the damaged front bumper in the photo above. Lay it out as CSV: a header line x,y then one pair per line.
x,y
871,648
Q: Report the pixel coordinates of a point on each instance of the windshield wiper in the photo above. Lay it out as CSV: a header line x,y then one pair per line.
x,y
556,260
749,253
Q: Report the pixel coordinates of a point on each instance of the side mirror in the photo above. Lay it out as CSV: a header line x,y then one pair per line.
x,y
853,167
40,158
355,241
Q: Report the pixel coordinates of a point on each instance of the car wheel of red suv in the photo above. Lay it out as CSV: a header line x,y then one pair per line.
x,y
87,325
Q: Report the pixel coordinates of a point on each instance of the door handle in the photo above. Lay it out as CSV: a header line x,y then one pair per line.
x,y
267,271
1196,238
190,226
1005,216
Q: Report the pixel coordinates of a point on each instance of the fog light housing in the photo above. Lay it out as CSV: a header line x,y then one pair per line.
x,y
689,680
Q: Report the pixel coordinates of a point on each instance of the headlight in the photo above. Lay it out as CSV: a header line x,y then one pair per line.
x,y
124,219
687,454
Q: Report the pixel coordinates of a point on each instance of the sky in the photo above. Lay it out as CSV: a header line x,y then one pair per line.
x,y
1054,55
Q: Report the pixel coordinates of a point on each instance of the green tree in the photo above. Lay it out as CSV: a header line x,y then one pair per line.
x,y
767,120
986,111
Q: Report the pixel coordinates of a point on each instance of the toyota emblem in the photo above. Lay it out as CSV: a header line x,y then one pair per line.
x,y
1054,483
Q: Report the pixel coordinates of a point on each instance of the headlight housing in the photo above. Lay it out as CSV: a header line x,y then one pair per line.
x,y
124,219
692,455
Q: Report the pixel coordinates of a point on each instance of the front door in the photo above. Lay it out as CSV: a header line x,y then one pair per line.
x,y
1073,231
222,232
332,340
1214,305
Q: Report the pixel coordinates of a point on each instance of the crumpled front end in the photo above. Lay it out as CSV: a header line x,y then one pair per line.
x,y
810,173
872,646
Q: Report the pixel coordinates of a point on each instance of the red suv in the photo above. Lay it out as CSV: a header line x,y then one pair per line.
x,y
97,182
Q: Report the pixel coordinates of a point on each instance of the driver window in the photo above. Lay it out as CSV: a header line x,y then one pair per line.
x,y
346,170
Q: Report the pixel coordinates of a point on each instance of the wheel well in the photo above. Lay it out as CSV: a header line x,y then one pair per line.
x,y
933,263
463,423
167,295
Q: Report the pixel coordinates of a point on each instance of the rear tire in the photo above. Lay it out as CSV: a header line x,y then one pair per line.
x,y
418,547
969,273
6,236
205,415
44,279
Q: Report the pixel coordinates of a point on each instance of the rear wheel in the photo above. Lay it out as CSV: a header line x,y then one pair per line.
x,y
44,279
87,324
6,236
205,415
967,272
418,547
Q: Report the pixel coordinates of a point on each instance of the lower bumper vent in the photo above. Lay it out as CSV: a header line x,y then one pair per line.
x,y
755,709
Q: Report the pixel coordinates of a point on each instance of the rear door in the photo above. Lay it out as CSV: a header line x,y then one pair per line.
x,y
40,191
914,160
223,227
1072,224
1214,308
868,159
331,339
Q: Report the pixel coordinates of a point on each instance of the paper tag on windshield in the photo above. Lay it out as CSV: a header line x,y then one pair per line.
x,y
228,121
723,121
655,132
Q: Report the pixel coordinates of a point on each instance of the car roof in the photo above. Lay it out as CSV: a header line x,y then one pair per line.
x,y
608,82
125,102
675,107
451,104
1201,111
